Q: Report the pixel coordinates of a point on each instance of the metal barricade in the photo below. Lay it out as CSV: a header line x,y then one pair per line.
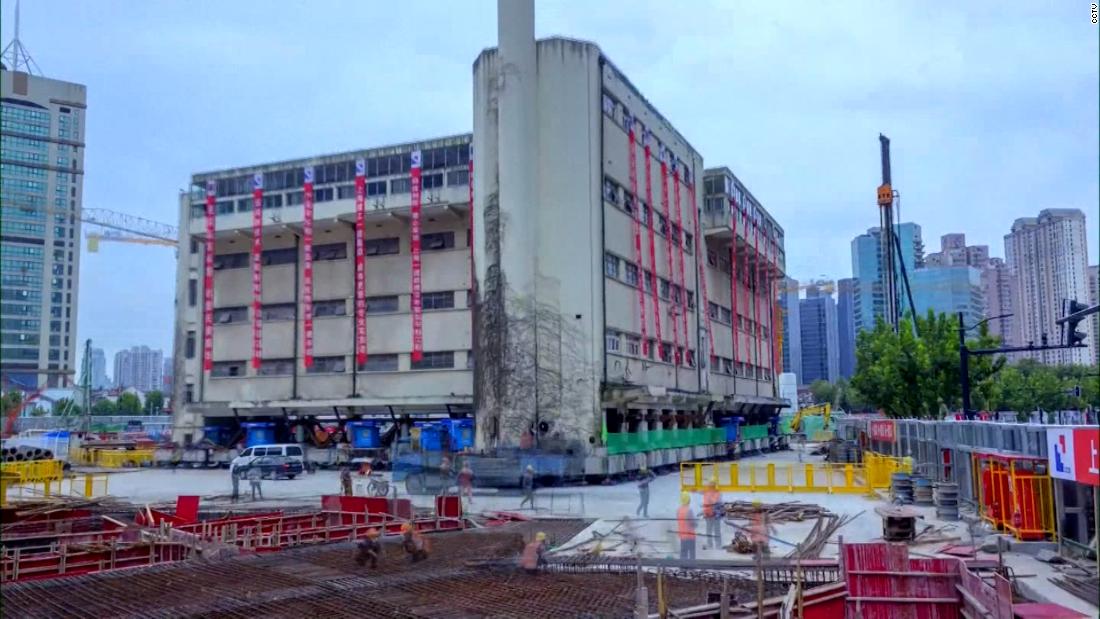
x,y
772,477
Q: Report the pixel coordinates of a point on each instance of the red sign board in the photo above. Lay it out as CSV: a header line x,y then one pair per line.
x,y
208,283
1086,455
883,430
257,266
307,266
360,262
414,242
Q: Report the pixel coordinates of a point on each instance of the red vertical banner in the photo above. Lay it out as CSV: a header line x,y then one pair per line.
x,y
681,235
470,224
257,267
360,262
735,272
700,261
414,242
208,283
757,289
307,266
635,220
664,155
652,277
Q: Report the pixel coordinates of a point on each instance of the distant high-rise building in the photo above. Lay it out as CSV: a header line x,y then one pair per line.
x,y
820,358
868,305
166,376
139,367
997,293
792,329
98,367
42,177
955,252
949,290
846,326
1047,258
1094,299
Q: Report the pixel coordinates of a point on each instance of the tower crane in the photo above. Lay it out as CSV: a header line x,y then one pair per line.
x,y
117,227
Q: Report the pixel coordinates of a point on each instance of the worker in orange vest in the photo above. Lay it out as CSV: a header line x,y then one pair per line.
x,y
413,543
712,513
368,549
758,530
534,554
685,528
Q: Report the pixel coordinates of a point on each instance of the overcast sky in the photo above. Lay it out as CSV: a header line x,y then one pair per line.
x,y
992,107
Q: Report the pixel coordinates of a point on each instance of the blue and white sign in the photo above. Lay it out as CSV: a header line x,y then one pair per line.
x,y
308,174
1060,453
258,180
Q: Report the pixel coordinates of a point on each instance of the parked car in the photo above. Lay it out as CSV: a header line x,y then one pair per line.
x,y
272,467
289,450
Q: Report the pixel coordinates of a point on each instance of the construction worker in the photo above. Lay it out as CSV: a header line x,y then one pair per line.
x,y
445,470
645,477
528,483
368,549
235,476
345,480
413,543
534,554
466,482
685,528
254,478
758,530
712,500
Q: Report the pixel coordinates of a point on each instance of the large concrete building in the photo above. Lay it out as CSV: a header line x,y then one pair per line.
x,y
997,294
791,336
98,367
1047,258
582,328
139,367
869,303
42,174
1094,299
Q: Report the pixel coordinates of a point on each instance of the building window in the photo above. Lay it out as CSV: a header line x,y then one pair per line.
x,y
330,251
376,188
633,345
276,367
437,300
611,265
336,307
275,257
189,345
194,245
224,369
345,192
712,259
689,359
648,281
382,247
727,366
294,198
400,185
689,241
629,201
690,299
631,273
327,365
192,292
379,363
189,393
611,341
273,201
663,290
279,311
382,304
674,293
435,241
666,352
230,315
435,360
431,181
610,191
646,215
725,315
231,261
458,177
662,225
323,194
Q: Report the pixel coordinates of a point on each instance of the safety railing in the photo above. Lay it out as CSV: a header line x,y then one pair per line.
x,y
772,477
87,485
35,470
114,459
881,468
1015,495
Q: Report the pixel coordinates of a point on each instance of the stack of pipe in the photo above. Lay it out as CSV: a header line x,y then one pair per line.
x,y
23,453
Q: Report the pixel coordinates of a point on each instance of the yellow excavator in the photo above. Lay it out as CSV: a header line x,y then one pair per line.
x,y
825,410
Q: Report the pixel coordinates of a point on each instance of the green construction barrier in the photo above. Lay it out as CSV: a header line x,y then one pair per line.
x,y
751,432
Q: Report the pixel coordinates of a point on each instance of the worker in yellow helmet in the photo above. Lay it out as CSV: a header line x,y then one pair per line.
x,y
413,543
534,554
685,528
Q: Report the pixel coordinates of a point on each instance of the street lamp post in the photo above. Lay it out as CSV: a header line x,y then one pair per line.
x,y
964,360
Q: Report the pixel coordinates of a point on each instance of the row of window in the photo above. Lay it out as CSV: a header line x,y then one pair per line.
x,y
14,170
20,324
21,279
722,314
746,273
436,360
17,155
22,228
724,365
626,344
344,171
665,289
336,307
621,116
15,126
432,241
18,112
625,200
12,141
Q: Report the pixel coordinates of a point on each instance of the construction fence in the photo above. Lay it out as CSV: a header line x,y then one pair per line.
x,y
874,474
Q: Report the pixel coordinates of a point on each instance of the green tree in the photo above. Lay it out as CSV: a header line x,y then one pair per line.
x,y
10,400
909,376
65,407
823,392
104,407
129,404
154,403
38,411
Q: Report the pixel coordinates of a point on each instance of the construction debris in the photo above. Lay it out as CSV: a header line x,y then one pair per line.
x,y
792,511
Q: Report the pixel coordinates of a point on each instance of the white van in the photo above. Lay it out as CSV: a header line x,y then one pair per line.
x,y
290,450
